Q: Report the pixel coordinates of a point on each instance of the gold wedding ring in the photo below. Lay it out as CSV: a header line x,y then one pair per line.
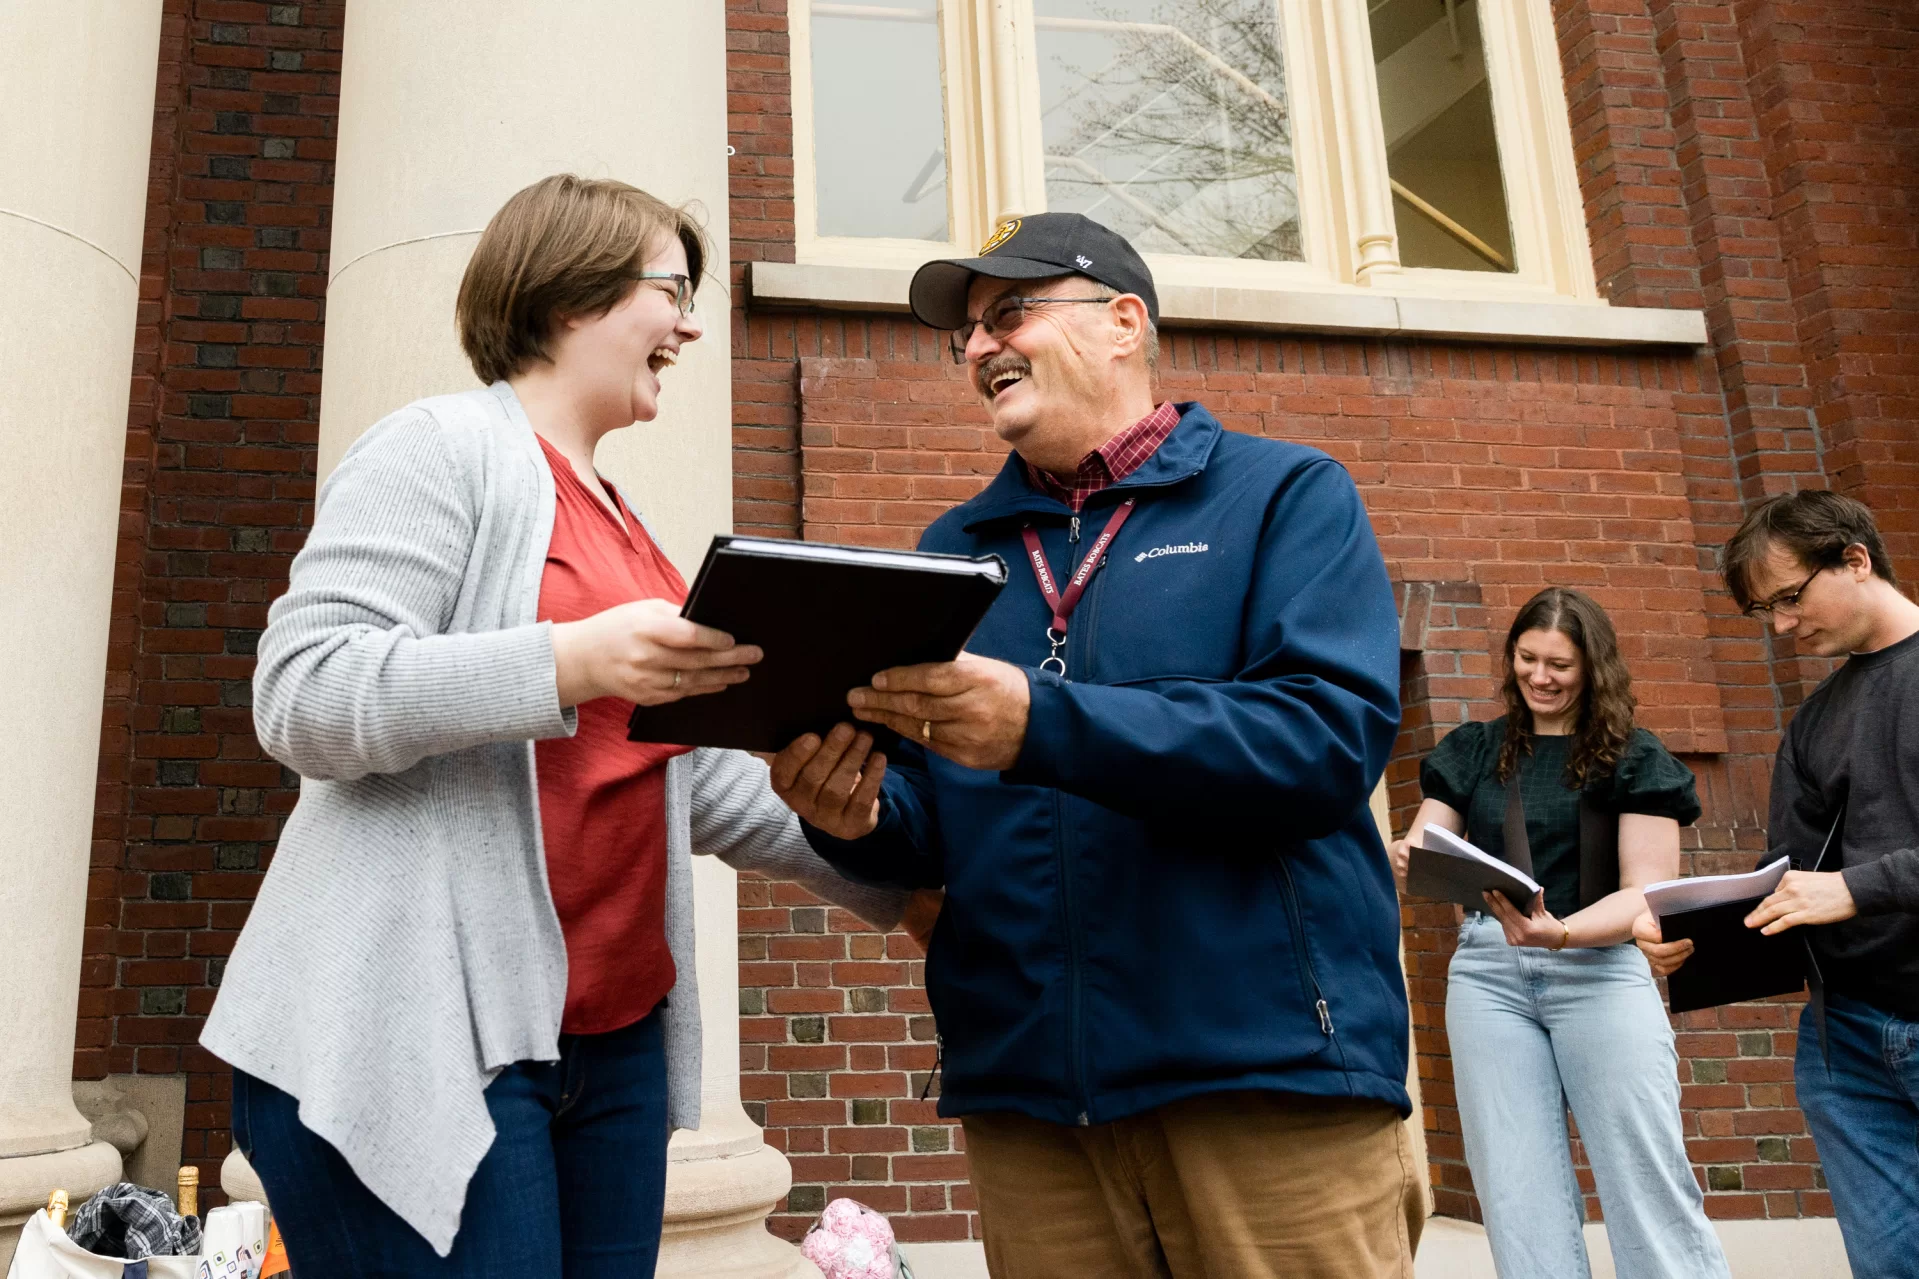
x,y
926,730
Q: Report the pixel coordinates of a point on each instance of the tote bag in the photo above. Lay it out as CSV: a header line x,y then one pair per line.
x,y
45,1252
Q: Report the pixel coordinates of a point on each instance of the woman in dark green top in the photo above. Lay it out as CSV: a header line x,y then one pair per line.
x,y
1549,999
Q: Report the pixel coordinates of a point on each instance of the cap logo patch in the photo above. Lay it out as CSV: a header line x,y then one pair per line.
x,y
1001,234
1083,261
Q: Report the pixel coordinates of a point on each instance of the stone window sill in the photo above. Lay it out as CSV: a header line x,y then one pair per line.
x,y
1351,312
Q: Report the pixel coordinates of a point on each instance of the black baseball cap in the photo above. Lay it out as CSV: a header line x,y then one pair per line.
x,y
1033,248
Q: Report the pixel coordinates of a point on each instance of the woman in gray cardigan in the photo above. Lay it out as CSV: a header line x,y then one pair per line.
x,y
462,1015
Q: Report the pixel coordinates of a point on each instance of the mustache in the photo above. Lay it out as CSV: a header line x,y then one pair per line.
x,y
1004,362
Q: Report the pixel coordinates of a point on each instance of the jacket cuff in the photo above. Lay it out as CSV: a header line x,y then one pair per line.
x,y
1044,746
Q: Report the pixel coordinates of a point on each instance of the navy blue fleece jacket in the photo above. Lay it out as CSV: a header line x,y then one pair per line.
x,y
1179,887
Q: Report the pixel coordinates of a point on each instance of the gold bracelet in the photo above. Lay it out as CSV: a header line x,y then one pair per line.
x,y
1566,936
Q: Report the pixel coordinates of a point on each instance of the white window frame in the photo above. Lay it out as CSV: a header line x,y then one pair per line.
x,y
1349,240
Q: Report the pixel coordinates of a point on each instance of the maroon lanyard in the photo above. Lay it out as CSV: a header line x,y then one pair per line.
x,y
1063,605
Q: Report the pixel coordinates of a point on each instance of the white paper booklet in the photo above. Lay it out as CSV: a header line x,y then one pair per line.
x,y
1670,896
1437,839
1444,866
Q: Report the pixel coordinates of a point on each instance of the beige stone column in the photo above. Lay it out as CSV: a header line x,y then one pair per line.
x,y
446,108
76,125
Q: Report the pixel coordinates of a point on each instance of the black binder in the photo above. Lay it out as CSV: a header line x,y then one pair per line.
x,y
829,618
1731,962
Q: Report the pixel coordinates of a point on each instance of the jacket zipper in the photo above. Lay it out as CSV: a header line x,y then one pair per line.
x,y
1078,652
1308,974
1076,1057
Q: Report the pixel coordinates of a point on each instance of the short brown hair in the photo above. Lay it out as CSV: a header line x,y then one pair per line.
x,y
1816,525
566,245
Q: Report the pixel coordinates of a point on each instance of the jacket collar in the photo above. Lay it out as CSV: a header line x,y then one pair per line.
x,y
1183,455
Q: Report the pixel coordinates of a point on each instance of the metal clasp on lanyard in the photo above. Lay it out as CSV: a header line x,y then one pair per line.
x,y
1055,663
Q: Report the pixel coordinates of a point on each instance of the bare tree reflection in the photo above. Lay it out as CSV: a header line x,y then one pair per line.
x,y
1178,131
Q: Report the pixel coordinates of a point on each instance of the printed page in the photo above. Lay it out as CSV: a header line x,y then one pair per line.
x,y
1669,897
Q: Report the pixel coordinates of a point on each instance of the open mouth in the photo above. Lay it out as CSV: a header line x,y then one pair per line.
x,y
1004,380
662,358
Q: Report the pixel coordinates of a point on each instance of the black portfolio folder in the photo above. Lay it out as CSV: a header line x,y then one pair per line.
x,y
829,618
1731,962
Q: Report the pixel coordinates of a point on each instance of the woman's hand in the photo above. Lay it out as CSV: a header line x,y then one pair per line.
x,y
1397,852
646,653
1540,928
833,784
1664,956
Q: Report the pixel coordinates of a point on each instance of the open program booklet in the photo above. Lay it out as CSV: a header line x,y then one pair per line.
x,y
1444,866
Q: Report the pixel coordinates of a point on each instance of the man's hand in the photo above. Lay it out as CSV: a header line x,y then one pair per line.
x,y
834,784
1664,956
971,710
1804,897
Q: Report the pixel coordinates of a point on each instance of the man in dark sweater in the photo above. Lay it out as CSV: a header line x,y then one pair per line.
x,y
1814,565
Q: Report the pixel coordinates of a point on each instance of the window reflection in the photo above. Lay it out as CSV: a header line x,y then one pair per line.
x,y
879,127
1168,123
1449,197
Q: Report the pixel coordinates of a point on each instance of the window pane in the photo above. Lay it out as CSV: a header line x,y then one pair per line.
x,y
1168,123
1449,198
879,120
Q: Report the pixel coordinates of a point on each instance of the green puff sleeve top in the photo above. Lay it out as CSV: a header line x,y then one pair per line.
x,y
1459,774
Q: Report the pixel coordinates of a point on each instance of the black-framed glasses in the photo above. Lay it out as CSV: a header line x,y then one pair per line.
x,y
1003,317
1788,601
682,288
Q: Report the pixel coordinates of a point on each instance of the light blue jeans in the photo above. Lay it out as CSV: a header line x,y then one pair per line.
x,y
1534,1031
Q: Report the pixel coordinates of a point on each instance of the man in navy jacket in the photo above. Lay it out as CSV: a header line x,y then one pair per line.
x,y
1166,970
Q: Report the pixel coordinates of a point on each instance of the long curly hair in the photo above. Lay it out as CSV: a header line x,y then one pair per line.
x,y
1605,720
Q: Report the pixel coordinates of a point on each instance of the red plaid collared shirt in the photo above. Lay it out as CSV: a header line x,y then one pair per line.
x,y
1112,461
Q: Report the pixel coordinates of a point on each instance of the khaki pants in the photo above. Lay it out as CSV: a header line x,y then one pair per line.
x,y
1241,1185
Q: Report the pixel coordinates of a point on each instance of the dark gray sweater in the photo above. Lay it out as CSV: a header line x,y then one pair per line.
x,y
1856,741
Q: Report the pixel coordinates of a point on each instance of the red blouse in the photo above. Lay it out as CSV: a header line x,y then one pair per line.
x,y
603,798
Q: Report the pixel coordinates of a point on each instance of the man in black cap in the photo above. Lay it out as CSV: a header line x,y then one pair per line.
x,y
1166,971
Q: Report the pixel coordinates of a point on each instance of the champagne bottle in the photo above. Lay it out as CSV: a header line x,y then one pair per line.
x,y
189,1198
57,1209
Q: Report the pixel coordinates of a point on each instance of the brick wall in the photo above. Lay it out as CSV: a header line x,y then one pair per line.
x,y
219,482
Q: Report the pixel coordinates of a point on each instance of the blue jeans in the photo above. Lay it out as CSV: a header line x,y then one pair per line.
x,y
573,1187
1864,1118
1533,1031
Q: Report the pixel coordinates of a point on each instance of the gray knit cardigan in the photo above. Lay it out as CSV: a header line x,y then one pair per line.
x,y
404,947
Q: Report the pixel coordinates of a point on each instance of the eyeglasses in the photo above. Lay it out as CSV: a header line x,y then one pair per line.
x,y
1003,317
1786,603
682,288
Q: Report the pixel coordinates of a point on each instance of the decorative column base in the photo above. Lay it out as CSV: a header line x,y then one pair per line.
x,y
27,1180
721,1182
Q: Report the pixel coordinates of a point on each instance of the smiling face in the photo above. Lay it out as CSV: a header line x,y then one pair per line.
x,y
1551,673
617,359
1048,384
